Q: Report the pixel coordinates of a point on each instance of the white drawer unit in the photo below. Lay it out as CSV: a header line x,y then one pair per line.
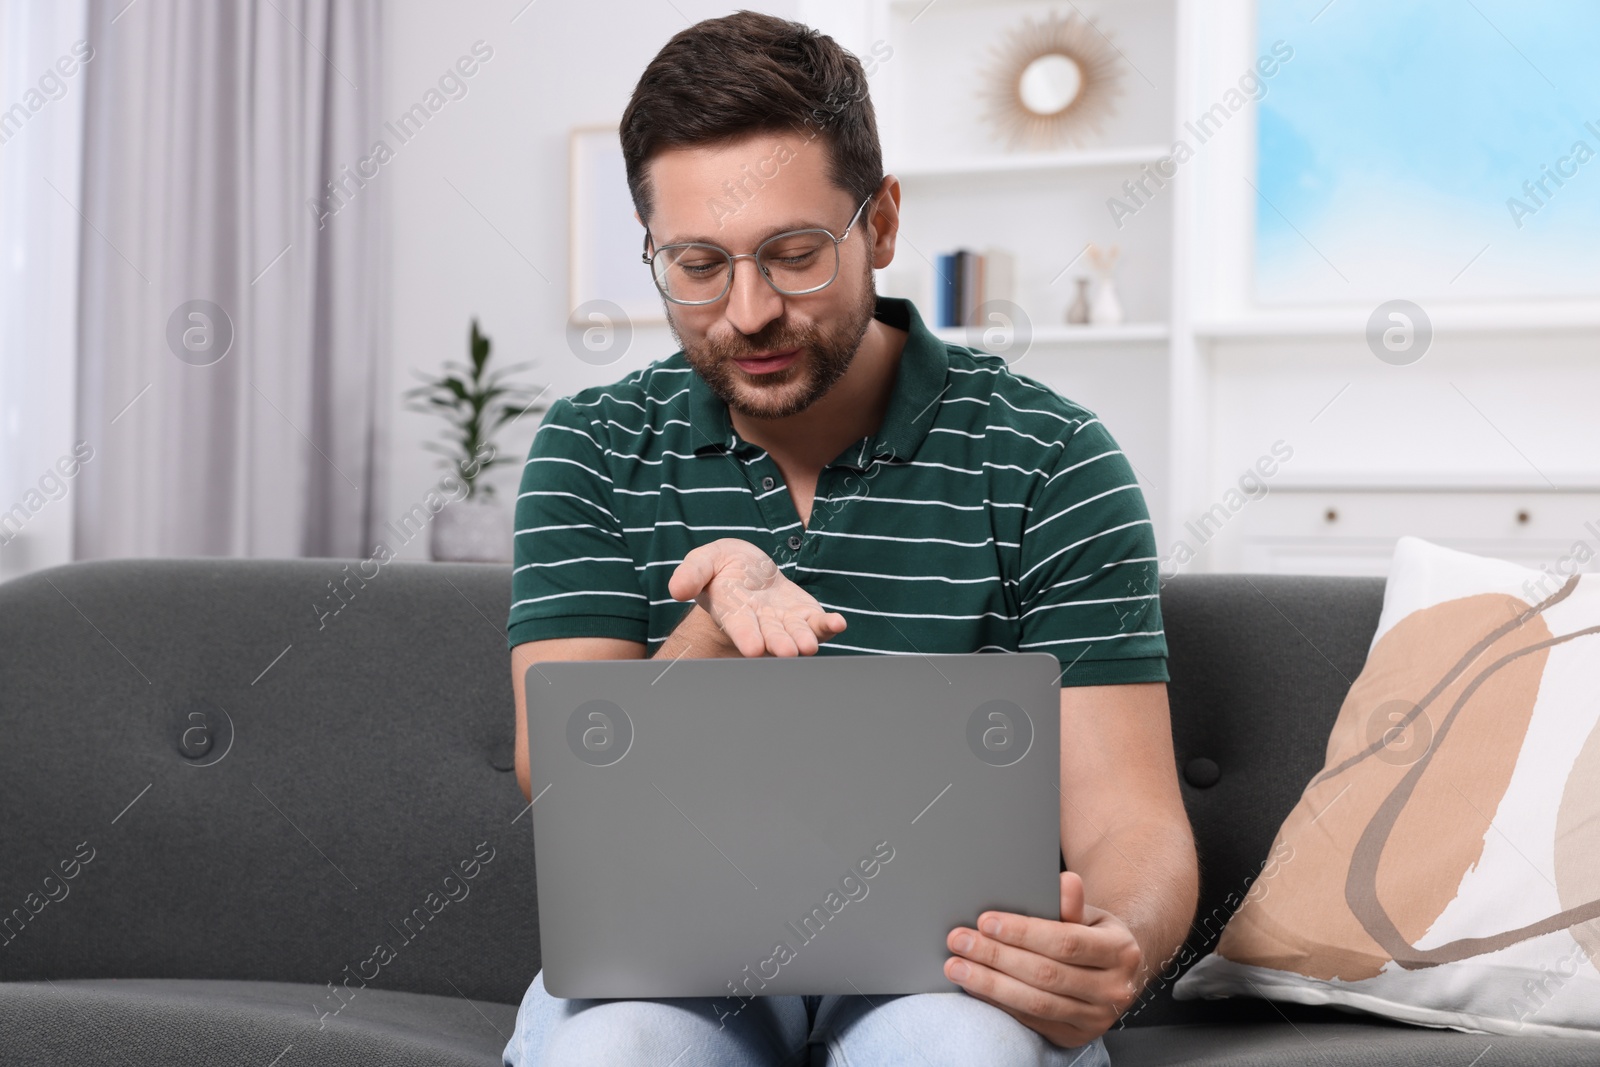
x,y
1353,531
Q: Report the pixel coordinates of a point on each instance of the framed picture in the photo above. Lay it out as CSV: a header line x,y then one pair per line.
x,y
604,239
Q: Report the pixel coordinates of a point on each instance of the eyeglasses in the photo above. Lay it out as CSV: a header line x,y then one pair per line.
x,y
793,263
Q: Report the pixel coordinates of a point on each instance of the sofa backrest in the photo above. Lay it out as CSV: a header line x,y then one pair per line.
x,y
360,734
300,770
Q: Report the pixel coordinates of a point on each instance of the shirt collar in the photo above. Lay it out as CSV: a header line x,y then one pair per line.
x,y
919,380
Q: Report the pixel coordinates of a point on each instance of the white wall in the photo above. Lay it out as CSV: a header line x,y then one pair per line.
x,y
495,245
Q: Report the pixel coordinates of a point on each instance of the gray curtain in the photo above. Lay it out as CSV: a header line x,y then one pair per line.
x,y
212,130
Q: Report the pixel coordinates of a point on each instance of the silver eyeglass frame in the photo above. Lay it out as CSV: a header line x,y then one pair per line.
x,y
648,258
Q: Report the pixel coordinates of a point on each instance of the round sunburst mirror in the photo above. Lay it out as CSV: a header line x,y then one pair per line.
x,y
1052,82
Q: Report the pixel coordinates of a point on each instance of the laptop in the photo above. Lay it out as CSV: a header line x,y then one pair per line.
x,y
787,825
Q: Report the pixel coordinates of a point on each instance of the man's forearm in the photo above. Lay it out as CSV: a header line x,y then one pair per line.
x,y
1145,875
697,636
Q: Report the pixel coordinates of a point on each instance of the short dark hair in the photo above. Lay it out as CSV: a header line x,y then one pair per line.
x,y
745,73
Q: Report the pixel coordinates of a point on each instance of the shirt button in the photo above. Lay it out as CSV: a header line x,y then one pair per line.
x,y
794,542
767,483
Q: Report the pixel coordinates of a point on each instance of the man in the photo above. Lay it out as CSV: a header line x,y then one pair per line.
x,y
820,475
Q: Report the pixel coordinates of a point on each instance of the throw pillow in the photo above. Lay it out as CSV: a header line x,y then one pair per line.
x,y
1444,866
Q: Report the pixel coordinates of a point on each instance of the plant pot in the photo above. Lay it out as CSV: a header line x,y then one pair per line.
x,y
474,530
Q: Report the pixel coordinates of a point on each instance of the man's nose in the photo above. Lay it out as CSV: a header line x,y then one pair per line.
x,y
752,303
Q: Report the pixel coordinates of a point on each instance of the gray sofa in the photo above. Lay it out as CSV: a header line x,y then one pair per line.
x,y
219,798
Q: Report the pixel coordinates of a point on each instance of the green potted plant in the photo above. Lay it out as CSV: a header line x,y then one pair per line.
x,y
476,402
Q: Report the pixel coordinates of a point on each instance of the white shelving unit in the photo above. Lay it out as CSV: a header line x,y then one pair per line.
x,y
963,187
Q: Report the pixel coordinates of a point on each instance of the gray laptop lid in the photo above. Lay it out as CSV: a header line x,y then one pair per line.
x,y
804,825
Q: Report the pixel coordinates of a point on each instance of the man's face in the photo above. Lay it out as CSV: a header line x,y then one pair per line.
x,y
736,196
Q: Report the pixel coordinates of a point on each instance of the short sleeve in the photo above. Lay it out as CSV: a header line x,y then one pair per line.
x,y
572,574
1089,585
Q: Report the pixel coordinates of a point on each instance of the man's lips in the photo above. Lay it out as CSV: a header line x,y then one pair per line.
x,y
768,362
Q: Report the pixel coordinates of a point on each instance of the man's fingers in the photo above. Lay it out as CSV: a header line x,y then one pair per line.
x,y
1074,943
805,636
1071,897
691,576
1073,981
776,636
824,624
1017,996
744,630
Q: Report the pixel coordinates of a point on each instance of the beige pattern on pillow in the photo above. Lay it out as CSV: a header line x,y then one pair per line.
x,y
1380,844
1305,923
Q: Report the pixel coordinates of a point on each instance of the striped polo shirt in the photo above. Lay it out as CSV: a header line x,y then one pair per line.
x,y
988,513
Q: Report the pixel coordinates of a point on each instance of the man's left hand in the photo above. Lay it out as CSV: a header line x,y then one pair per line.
x,y
1068,980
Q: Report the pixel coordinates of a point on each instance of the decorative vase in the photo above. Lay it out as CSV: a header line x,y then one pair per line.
x,y
1107,308
1078,313
472,530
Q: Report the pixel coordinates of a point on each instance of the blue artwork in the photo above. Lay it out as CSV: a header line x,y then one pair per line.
x,y
1443,149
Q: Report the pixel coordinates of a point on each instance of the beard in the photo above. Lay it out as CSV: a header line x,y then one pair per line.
x,y
826,352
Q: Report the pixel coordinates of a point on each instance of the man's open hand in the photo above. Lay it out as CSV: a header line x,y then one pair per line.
x,y
759,609
1069,980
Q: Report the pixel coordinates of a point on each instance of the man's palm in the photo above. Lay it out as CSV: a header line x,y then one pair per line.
x,y
749,597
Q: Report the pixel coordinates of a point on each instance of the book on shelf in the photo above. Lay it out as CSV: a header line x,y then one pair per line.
x,y
964,280
944,289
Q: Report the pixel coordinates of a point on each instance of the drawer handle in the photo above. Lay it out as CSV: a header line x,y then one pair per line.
x,y
1331,515
1523,517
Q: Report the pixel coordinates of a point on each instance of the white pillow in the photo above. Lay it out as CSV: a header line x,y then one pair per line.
x,y
1412,877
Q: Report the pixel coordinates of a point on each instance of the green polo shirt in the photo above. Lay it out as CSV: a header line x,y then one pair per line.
x,y
988,513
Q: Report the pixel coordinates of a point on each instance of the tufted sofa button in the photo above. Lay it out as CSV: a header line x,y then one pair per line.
x,y
1201,773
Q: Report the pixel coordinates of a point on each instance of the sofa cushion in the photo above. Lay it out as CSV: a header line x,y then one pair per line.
x,y
177,1023
1334,1044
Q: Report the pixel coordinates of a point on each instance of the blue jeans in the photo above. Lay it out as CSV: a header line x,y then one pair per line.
x,y
920,1030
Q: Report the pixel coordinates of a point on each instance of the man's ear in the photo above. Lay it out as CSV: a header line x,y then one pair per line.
x,y
884,221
